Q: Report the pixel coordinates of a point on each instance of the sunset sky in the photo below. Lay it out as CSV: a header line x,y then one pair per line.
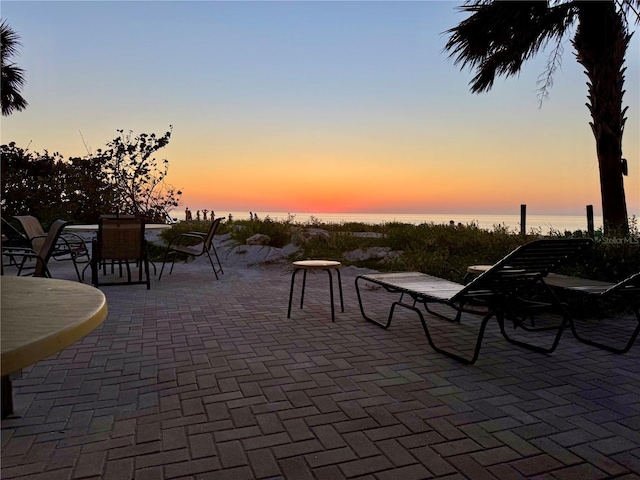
x,y
305,106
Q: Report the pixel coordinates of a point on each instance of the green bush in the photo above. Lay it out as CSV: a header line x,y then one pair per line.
x,y
439,250
185,227
279,231
446,252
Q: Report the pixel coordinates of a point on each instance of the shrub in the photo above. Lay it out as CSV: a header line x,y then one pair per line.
x,y
439,250
124,178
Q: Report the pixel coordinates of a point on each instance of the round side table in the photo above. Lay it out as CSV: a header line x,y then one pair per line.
x,y
326,265
474,271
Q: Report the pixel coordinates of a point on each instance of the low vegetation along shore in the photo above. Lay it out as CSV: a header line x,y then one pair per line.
x,y
439,250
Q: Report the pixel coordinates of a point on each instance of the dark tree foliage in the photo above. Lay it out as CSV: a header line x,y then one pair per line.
x,y
32,183
137,179
123,179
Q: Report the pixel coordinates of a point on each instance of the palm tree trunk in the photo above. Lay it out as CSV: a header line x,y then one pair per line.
x,y
601,43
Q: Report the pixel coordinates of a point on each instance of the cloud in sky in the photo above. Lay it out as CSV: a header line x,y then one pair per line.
x,y
310,106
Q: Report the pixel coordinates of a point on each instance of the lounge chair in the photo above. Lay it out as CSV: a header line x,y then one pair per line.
x,y
13,242
498,292
46,250
69,246
625,293
183,244
121,240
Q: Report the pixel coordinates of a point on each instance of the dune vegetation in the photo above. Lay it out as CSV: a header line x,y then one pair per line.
x,y
436,249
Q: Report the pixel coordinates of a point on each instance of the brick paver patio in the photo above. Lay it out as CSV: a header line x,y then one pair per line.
x,y
207,379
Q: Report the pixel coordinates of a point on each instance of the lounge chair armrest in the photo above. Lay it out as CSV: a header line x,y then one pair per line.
x,y
18,251
22,253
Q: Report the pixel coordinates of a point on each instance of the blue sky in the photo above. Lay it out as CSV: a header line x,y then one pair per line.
x,y
310,106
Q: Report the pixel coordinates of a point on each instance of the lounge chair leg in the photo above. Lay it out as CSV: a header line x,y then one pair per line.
x,y
529,346
364,315
466,361
456,319
608,348
554,303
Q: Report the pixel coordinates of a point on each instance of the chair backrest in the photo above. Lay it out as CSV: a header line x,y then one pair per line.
x,y
120,238
33,229
12,237
524,267
212,231
48,246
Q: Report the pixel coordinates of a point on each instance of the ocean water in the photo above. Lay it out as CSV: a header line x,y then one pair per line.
x,y
542,224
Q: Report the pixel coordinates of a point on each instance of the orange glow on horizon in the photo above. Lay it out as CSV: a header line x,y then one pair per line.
x,y
313,183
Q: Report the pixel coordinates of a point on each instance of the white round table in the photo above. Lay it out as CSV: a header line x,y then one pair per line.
x,y
41,316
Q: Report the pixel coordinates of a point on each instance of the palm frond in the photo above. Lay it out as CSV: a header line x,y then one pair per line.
x,y
630,8
9,41
12,77
500,36
545,80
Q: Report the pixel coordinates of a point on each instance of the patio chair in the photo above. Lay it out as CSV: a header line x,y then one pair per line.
x,y
69,247
45,252
499,292
13,240
121,240
625,293
183,244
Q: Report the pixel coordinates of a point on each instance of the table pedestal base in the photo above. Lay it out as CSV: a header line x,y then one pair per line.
x,y
7,397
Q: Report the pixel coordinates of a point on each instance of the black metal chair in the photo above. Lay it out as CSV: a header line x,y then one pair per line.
x,y
499,292
625,293
13,242
194,244
69,246
121,240
46,249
